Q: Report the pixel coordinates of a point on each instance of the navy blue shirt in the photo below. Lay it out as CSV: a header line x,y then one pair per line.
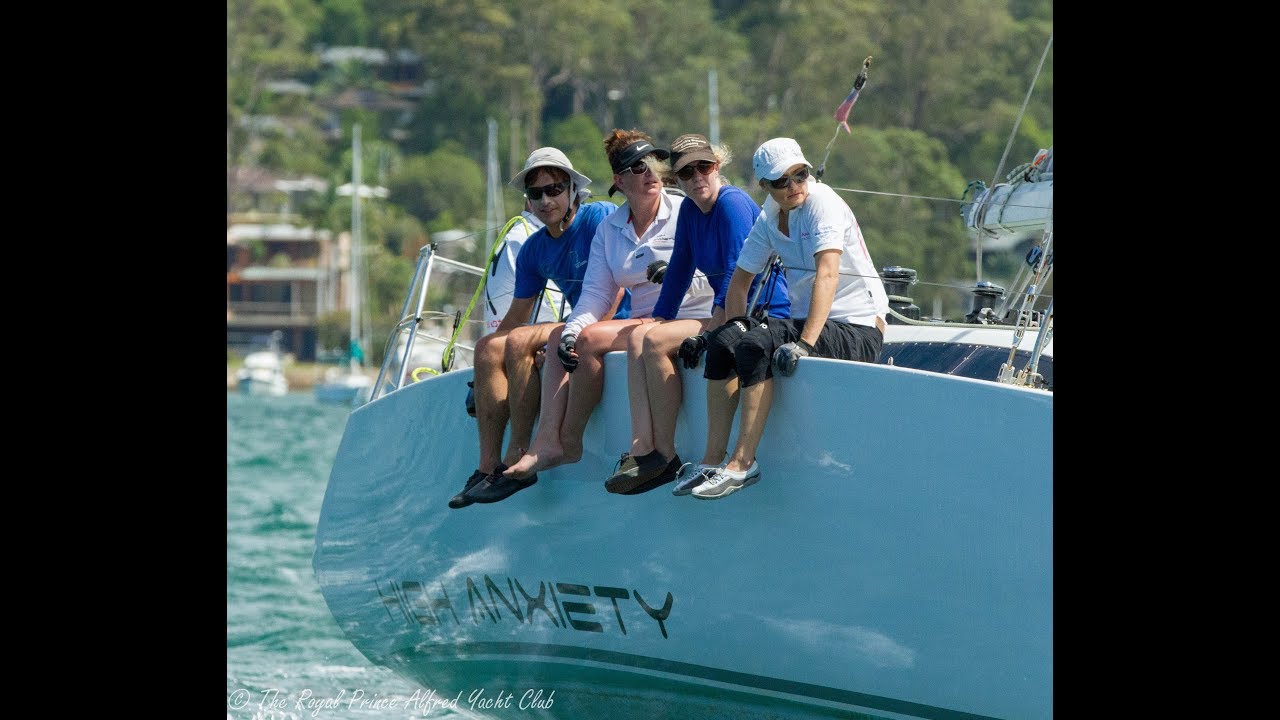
x,y
710,243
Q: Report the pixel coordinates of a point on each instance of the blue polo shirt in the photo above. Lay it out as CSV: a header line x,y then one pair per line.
x,y
710,243
563,259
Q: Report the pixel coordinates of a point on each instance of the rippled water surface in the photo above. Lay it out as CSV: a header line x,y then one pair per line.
x,y
286,656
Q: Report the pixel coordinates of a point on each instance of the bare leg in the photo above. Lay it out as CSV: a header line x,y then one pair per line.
x,y
492,407
587,383
522,346
757,400
545,451
722,403
638,391
664,389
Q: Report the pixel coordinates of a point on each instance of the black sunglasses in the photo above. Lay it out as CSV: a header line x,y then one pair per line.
x,y
704,167
640,168
801,175
552,190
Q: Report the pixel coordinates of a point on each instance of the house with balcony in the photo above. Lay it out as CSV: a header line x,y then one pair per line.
x,y
281,276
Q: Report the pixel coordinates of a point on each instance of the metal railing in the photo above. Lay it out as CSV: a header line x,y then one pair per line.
x,y
412,325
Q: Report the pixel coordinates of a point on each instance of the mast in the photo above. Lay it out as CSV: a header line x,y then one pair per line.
x,y
713,107
493,213
357,244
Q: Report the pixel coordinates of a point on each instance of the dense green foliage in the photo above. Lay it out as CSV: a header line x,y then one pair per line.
x,y
946,85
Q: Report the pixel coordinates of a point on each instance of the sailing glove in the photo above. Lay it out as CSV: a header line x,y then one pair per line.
x,y
566,350
691,350
656,271
786,357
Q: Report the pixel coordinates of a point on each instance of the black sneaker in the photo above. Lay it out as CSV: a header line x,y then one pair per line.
x,y
497,486
646,468
667,475
461,500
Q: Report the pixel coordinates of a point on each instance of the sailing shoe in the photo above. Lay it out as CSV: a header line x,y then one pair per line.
x,y
461,500
497,486
667,475
694,479
635,471
724,482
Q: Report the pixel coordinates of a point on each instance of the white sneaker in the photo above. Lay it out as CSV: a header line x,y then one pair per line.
x,y
699,475
724,482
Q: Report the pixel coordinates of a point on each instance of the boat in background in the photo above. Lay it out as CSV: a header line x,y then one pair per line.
x,y
263,371
352,385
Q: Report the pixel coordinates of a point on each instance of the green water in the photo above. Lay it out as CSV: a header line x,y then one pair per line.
x,y
286,656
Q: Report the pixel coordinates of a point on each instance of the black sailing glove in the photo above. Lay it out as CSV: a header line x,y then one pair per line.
x,y
691,350
656,271
566,350
786,357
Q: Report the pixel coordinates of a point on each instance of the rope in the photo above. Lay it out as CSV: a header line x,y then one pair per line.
x,y
446,360
1013,134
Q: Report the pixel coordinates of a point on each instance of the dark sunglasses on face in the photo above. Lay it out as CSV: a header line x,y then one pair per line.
x,y
552,190
640,168
801,175
704,168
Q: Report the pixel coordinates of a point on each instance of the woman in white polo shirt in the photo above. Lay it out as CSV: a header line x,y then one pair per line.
x,y
838,303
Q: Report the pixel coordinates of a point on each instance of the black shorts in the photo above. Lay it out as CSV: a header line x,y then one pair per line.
x,y
720,345
752,351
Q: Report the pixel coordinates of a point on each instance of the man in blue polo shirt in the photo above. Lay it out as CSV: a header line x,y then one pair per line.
x,y
506,381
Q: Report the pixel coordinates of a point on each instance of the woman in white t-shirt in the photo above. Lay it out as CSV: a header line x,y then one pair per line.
x,y
838,305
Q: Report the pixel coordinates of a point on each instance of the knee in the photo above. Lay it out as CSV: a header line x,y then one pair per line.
x,y
517,347
653,346
489,350
588,342
751,348
638,343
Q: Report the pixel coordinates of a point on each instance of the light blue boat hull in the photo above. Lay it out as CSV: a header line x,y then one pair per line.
x,y
896,558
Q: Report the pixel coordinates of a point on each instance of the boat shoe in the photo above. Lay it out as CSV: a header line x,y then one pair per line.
x,y
724,482
635,471
668,474
497,486
461,500
694,479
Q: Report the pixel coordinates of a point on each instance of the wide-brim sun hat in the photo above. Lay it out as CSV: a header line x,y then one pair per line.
x,y
774,157
549,157
690,148
630,154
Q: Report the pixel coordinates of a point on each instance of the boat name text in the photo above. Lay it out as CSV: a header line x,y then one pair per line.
x,y
417,604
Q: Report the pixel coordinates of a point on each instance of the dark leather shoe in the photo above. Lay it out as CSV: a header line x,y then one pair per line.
x,y
497,486
646,468
667,475
461,500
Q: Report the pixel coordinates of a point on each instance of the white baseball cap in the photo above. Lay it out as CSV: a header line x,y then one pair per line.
x,y
775,156
549,157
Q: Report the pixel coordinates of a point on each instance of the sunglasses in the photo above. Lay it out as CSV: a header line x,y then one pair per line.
x,y
640,168
704,167
801,175
552,190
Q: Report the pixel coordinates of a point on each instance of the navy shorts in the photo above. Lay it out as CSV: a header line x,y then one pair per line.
x,y
751,353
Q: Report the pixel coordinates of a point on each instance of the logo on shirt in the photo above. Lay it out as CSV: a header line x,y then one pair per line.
x,y
639,252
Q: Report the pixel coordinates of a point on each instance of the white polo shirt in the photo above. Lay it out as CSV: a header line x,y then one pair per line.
x,y
619,259
823,222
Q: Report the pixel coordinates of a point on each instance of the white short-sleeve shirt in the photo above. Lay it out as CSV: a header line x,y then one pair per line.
x,y
823,222
500,286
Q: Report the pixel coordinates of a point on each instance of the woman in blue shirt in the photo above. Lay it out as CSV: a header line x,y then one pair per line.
x,y
714,219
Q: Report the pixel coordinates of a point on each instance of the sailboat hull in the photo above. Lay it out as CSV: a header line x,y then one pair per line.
x,y
895,559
